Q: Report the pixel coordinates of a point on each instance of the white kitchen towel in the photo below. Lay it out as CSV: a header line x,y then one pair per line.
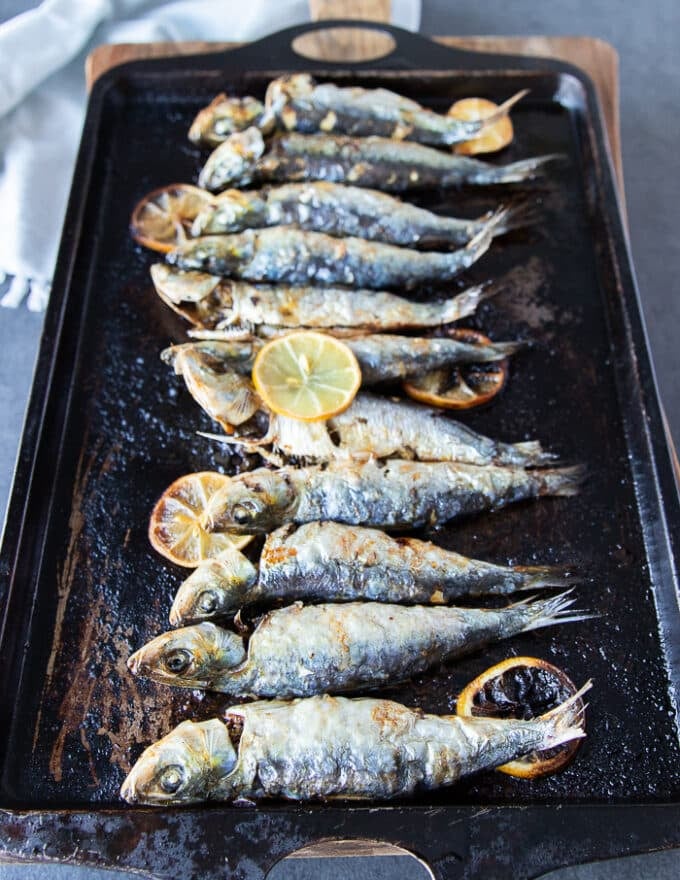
x,y
42,103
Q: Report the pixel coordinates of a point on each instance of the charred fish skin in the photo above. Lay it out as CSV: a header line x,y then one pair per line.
x,y
372,162
301,650
342,211
385,357
285,254
298,750
395,494
212,303
301,104
332,562
224,116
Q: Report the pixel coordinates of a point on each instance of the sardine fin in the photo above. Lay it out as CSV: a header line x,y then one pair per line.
x,y
566,721
565,481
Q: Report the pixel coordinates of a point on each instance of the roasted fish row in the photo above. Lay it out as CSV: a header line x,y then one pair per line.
x,y
395,494
217,304
298,103
335,747
288,255
329,561
374,162
346,211
299,651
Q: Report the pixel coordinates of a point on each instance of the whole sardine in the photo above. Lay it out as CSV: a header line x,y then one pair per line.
x,y
374,162
343,211
213,303
382,428
381,357
301,650
328,561
335,747
285,254
394,494
298,103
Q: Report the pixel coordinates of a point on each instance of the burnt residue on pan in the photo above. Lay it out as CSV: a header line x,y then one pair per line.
x,y
81,719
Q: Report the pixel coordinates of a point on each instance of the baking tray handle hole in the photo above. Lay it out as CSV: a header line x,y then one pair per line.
x,y
353,43
369,858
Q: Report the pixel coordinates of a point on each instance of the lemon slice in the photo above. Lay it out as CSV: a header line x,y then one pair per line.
x,y
162,219
306,375
175,529
492,138
522,687
460,386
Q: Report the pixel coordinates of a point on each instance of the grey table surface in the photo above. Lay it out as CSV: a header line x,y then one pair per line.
x,y
647,39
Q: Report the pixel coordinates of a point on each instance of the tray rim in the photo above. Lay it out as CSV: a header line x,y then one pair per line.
x,y
650,421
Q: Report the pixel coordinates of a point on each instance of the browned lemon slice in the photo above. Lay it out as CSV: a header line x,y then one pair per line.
x,y
162,219
522,687
175,529
460,386
492,138
306,375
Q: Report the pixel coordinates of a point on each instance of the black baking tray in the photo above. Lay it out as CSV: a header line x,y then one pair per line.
x,y
108,428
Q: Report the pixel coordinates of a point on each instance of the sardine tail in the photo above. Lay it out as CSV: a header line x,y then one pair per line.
x,y
518,216
566,721
526,169
533,454
548,612
466,303
541,577
565,481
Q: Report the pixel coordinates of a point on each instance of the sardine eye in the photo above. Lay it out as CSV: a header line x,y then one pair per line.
x,y
241,514
171,779
207,602
177,661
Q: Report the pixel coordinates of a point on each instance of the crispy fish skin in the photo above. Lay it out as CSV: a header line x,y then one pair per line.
x,y
373,162
302,650
212,303
299,750
395,494
284,254
341,210
329,561
299,103
382,427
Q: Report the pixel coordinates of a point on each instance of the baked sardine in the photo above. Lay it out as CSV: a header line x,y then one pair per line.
x,y
287,255
298,103
332,562
374,162
394,494
217,304
302,650
345,211
335,747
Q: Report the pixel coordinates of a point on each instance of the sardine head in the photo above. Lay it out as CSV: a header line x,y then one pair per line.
x,y
183,767
218,587
232,211
176,287
252,503
234,161
194,656
223,116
